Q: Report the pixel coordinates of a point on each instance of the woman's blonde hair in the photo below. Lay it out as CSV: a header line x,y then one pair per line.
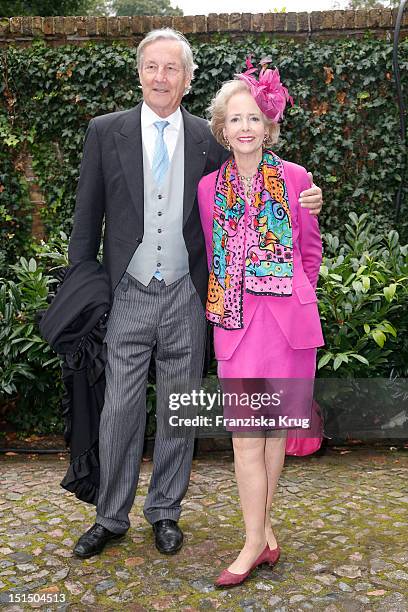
x,y
218,110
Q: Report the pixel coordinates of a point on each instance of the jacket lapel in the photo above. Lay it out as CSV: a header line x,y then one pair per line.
x,y
129,145
196,145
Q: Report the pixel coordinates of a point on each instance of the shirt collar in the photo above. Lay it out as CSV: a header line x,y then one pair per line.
x,y
148,117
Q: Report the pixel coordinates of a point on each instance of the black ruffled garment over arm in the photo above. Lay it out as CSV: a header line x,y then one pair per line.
x,y
75,327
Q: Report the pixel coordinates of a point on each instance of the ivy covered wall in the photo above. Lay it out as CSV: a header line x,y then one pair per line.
x,y
343,125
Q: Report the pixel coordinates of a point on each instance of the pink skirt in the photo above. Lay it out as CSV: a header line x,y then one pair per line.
x,y
258,365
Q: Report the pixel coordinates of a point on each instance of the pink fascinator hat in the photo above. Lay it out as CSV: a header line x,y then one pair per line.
x,y
269,93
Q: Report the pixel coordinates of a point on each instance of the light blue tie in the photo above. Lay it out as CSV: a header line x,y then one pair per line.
x,y
161,160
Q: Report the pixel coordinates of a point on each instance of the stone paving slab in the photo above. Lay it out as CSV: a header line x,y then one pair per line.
x,y
341,520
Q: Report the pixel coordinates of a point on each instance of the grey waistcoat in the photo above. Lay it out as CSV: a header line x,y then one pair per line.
x,y
163,247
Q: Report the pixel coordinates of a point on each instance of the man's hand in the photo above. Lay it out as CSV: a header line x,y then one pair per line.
x,y
312,198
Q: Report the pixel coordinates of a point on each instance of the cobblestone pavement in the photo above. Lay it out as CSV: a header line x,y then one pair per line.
x,y
341,520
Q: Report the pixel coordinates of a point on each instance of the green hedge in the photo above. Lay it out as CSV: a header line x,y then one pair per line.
x,y
343,127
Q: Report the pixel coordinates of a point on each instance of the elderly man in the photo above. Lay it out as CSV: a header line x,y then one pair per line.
x,y
139,175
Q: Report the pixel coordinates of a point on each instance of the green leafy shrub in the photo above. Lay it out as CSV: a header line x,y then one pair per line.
x,y
30,381
363,302
30,374
29,371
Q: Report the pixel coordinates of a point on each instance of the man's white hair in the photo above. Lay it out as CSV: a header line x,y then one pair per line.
x,y
169,34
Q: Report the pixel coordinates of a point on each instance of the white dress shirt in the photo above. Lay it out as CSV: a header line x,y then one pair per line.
x,y
149,131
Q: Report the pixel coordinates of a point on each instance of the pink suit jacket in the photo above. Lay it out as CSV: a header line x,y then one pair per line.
x,y
297,315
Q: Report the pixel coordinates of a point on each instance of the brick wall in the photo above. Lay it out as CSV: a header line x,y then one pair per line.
x,y
327,24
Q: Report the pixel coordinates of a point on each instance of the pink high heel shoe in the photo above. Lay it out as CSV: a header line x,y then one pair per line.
x,y
227,578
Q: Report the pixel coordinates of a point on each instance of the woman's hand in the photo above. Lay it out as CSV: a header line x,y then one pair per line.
x,y
312,198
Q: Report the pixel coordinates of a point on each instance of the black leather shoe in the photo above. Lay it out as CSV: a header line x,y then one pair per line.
x,y
168,536
93,541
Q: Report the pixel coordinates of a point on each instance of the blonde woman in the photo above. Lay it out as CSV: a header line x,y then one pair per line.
x,y
264,253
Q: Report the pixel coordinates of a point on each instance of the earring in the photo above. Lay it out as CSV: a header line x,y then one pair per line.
x,y
266,139
227,143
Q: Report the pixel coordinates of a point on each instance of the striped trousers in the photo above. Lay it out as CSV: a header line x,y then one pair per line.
x,y
170,318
